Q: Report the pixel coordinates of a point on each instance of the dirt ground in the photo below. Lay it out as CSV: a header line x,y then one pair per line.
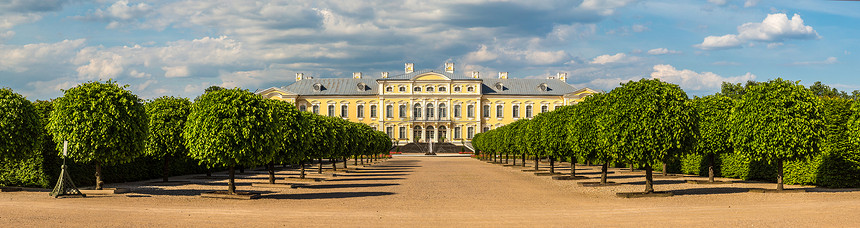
x,y
438,192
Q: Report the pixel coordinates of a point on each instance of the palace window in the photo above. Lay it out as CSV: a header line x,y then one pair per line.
x,y
557,106
402,89
389,111
456,89
302,108
389,89
470,111
442,89
457,133
486,111
470,131
316,109
416,134
330,110
486,129
390,132
344,111
416,89
470,89
360,111
372,111
429,89
443,111
543,108
430,111
500,111
403,111
417,111
529,111
402,132
516,111
457,111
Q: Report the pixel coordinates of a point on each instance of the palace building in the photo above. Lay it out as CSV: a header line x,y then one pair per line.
x,y
429,105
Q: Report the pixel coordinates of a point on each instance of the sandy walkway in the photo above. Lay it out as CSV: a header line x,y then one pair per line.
x,y
437,191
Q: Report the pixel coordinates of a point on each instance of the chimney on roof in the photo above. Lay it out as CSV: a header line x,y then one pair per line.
x,y
449,67
409,67
503,75
476,74
562,76
384,74
300,76
356,75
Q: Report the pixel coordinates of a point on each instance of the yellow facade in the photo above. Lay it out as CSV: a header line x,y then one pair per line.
x,y
429,106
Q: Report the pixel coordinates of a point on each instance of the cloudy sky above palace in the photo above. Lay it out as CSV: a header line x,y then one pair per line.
x,y
178,48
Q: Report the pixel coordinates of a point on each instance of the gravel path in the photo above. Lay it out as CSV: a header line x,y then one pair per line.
x,y
438,191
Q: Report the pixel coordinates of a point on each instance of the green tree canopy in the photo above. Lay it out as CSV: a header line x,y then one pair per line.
x,y
649,120
167,116
20,128
714,132
777,121
104,124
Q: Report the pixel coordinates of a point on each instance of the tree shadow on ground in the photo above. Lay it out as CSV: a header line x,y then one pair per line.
x,y
625,176
327,195
366,179
710,191
833,190
592,173
183,192
222,184
372,175
381,171
656,182
330,186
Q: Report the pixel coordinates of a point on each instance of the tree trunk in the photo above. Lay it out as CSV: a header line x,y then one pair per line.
x,y
165,173
515,159
333,165
361,157
665,172
231,185
537,162
99,182
271,173
208,172
344,162
631,166
779,175
320,165
524,160
711,168
241,169
507,156
355,160
572,166
603,170
551,164
302,174
649,180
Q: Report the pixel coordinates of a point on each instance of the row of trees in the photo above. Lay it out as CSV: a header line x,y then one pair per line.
x,y
105,124
649,122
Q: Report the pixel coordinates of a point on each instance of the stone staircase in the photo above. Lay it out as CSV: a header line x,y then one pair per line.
x,y
437,147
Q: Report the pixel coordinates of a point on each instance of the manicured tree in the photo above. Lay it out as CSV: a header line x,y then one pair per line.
x,y
315,138
104,124
20,127
649,121
777,121
513,140
713,138
548,143
553,135
841,158
230,127
585,134
287,134
167,117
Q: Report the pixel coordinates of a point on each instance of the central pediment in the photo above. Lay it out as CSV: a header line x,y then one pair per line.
x,y
430,76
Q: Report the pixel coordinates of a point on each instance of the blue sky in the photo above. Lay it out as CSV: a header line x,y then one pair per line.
x,y
178,48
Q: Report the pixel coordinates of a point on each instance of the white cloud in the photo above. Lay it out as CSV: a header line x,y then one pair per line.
x,y
639,28
775,28
604,7
34,56
616,58
662,51
718,2
829,60
481,55
750,3
695,81
175,71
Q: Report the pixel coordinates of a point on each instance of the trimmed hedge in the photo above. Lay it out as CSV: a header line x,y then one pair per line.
x,y
826,170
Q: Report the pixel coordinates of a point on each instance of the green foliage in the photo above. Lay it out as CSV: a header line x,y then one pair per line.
x,y
103,122
230,127
20,128
585,128
167,116
286,132
777,121
714,112
648,121
552,137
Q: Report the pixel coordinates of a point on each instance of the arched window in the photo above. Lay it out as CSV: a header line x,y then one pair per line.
x,y
430,133
402,89
417,111
529,111
344,111
389,111
403,111
416,89
500,111
442,89
443,111
456,89
303,108
330,110
359,111
543,108
470,111
429,89
389,89
516,111
430,112
416,134
316,109
471,89
372,111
